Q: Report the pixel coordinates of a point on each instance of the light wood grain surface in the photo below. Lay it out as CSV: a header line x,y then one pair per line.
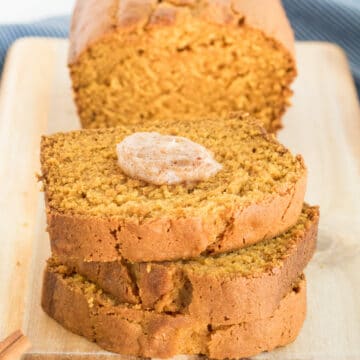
x,y
323,125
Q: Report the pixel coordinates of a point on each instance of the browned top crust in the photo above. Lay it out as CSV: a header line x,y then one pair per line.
x,y
94,19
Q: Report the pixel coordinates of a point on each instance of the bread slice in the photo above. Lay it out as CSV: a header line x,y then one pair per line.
x,y
240,286
86,310
98,213
131,61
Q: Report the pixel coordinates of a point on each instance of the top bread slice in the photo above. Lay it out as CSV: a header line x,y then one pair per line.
x,y
97,213
133,61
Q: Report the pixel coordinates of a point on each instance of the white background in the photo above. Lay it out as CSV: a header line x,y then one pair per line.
x,y
30,10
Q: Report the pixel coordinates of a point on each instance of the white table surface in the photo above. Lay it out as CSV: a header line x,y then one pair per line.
x,y
31,10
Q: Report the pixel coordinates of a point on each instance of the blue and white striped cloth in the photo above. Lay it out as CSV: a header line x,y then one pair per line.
x,y
335,21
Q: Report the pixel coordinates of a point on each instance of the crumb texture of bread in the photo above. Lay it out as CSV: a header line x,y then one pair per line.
x,y
101,214
241,286
129,330
133,61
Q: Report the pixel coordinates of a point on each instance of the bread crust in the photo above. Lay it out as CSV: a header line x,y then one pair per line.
x,y
219,299
131,331
107,239
94,20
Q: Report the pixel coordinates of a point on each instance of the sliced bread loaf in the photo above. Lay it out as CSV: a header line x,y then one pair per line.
x,y
240,286
86,310
98,213
132,61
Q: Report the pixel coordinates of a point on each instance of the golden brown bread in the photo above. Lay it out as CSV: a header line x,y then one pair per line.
x,y
241,286
85,310
136,60
93,19
98,213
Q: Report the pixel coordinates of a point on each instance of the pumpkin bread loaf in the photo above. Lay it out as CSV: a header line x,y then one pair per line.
x,y
84,309
132,61
240,286
98,213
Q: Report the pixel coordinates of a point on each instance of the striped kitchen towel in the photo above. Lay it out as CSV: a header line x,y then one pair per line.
x,y
335,21
52,27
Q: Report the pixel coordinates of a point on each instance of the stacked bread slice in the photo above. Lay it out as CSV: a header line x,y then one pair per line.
x,y
213,267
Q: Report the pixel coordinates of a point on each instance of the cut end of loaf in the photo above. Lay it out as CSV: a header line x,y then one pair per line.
x,y
186,71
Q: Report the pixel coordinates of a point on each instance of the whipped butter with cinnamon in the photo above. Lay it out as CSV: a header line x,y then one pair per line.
x,y
165,159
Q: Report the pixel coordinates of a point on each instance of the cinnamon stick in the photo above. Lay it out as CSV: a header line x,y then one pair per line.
x,y
14,346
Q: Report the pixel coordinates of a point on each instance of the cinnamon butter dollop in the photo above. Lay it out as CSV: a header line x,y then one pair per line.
x,y
165,159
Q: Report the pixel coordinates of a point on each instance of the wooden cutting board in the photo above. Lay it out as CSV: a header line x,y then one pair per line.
x,y
323,125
